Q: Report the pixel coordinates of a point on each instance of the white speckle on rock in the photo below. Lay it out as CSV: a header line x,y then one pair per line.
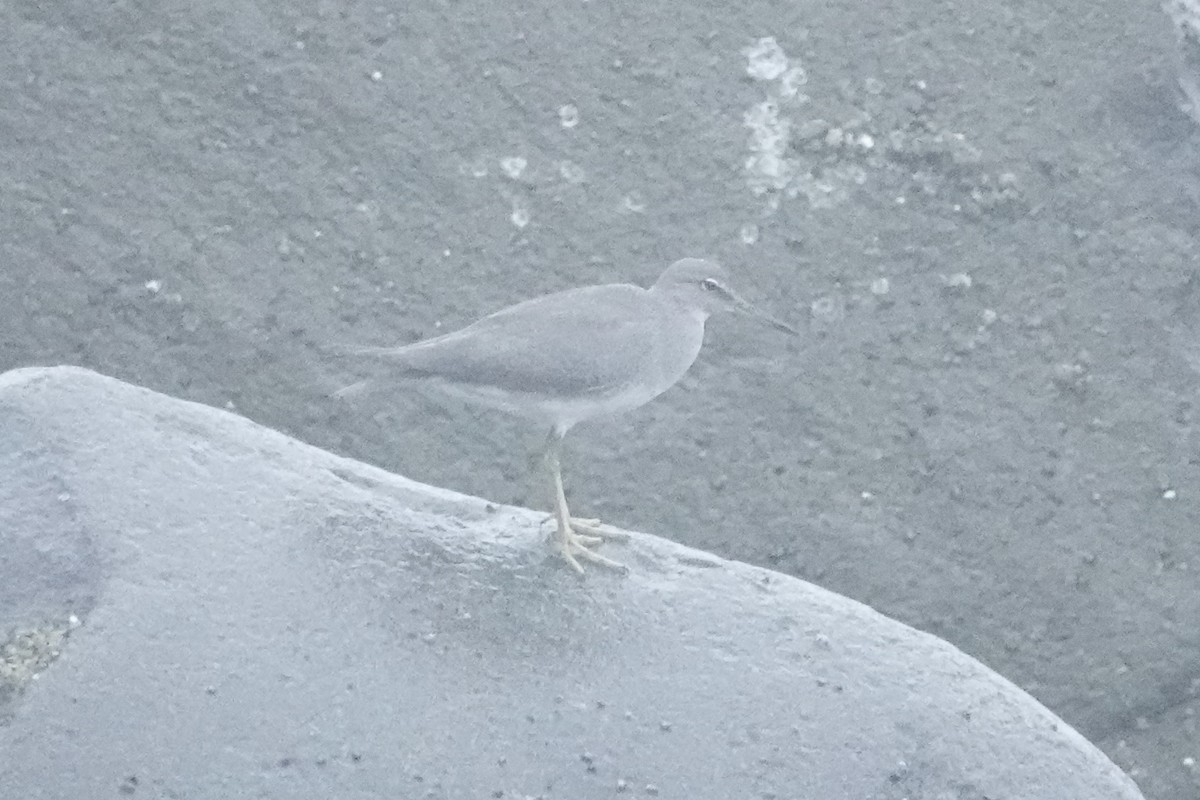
x,y
568,116
765,59
828,309
768,165
571,172
513,166
520,216
790,83
880,287
633,203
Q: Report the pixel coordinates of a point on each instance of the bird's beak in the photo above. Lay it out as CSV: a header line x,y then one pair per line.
x,y
744,307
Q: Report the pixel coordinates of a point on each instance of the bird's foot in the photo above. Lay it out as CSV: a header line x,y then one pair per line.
x,y
574,546
594,529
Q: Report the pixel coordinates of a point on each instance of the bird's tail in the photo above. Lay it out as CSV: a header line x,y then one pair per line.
x,y
393,356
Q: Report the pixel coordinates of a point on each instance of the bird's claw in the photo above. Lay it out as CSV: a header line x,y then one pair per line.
x,y
574,546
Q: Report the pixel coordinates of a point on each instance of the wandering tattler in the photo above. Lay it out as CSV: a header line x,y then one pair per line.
x,y
571,356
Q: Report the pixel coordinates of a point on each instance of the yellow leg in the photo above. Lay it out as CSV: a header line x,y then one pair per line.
x,y
572,544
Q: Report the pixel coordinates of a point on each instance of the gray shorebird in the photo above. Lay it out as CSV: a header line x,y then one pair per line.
x,y
566,357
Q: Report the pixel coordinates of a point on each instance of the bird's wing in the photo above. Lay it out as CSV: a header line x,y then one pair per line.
x,y
578,343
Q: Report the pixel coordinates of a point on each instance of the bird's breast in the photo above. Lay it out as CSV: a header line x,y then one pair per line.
x,y
678,343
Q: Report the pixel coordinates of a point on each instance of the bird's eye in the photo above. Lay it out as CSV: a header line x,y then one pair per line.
x,y
710,284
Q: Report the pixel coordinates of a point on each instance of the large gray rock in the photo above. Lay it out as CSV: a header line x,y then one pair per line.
x,y
258,618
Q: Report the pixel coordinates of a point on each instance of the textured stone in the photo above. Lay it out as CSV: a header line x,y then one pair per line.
x,y
259,618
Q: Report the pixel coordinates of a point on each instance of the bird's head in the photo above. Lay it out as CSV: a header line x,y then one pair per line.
x,y
703,286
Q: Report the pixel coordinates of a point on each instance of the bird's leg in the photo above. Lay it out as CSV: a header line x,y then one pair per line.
x,y
571,545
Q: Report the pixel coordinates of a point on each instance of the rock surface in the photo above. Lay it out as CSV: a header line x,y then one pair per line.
x,y
1185,18
254,617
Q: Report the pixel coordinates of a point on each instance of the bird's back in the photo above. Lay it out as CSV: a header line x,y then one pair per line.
x,y
577,343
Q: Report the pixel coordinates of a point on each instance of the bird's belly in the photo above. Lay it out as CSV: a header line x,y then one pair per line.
x,y
615,403
561,412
